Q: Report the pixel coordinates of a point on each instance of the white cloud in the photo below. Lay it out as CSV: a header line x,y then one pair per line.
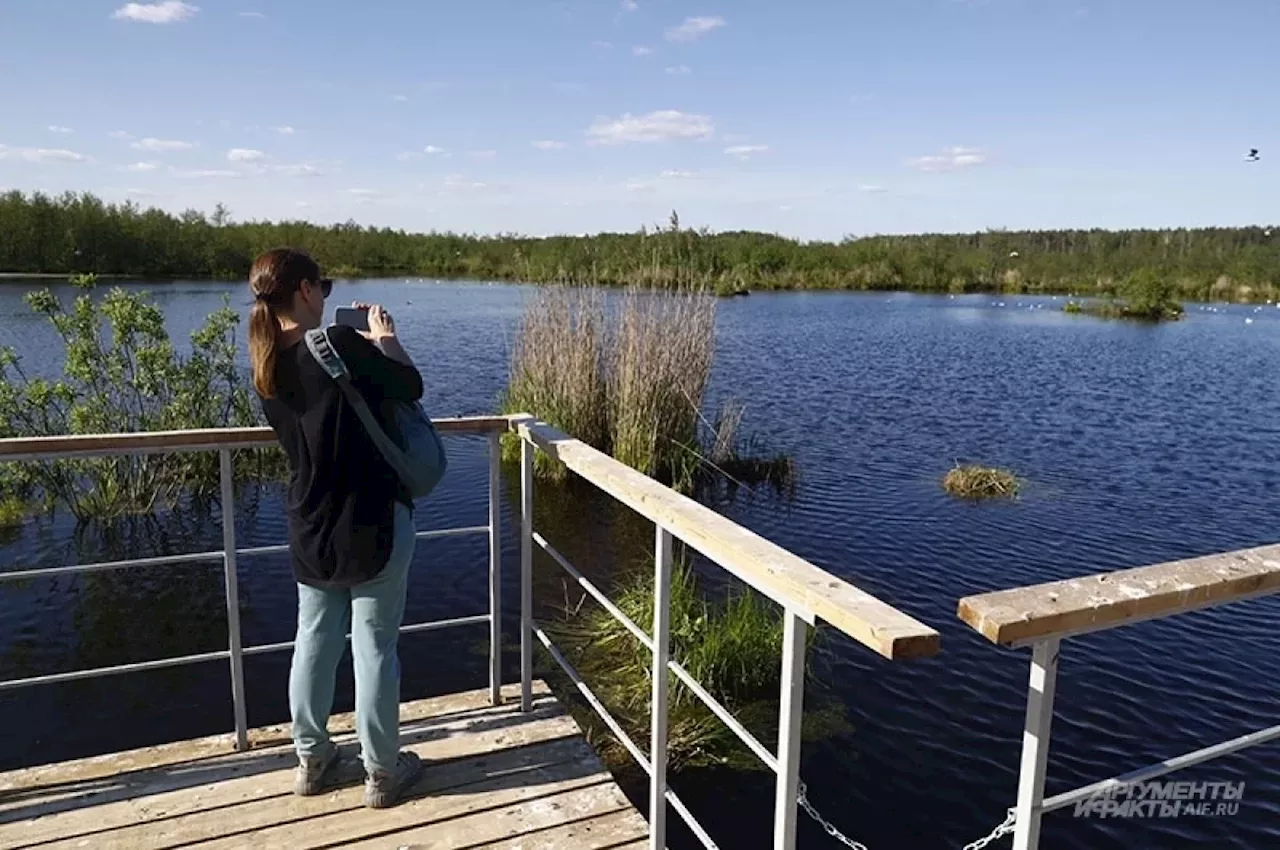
x,y
679,70
694,28
365,193
162,145
630,5
56,128
400,98
142,167
203,173
167,12
258,15
483,154
245,155
602,45
42,156
549,145
285,130
872,189
299,170
676,174
119,134
745,152
641,50
408,156
950,159
139,193
432,150
638,186
660,126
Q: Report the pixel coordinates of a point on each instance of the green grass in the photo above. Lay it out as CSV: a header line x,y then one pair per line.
x,y
976,482
732,647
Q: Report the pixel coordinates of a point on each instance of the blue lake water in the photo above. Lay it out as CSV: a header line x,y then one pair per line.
x,y
1139,444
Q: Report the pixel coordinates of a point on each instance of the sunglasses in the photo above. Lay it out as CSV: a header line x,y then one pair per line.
x,y
326,286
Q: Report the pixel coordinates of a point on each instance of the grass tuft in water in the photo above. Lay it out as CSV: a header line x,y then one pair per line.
x,y
971,481
730,646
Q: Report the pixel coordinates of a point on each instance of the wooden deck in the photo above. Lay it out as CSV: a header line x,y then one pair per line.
x,y
494,778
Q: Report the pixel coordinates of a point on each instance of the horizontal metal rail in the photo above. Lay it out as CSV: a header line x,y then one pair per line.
x,y
687,679
66,446
616,728
135,563
1200,756
217,655
201,557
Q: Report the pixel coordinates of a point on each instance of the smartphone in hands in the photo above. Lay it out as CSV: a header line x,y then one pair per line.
x,y
352,317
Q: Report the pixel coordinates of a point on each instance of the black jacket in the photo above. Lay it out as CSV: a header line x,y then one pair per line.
x,y
342,493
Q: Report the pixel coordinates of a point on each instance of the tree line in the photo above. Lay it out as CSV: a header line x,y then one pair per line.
x,y
80,233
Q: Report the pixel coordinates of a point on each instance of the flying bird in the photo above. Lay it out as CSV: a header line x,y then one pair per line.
x,y
1253,155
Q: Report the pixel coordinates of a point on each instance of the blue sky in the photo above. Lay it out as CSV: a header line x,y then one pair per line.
x,y
811,118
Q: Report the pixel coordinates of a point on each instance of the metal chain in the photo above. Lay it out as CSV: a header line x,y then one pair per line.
x,y
802,797
999,832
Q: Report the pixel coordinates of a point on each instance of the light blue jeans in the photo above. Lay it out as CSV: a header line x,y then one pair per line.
x,y
374,610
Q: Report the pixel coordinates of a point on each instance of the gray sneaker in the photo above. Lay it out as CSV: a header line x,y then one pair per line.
x,y
383,789
309,778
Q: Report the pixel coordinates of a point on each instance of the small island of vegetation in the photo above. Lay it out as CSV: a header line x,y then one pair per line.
x,y
1146,297
976,483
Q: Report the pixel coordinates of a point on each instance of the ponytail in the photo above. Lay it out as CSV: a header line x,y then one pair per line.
x,y
274,279
264,335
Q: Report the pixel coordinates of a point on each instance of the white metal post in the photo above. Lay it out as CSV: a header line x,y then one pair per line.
x,y
1035,744
495,570
658,705
234,644
790,714
526,575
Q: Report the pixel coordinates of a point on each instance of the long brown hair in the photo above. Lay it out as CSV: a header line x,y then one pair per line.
x,y
275,277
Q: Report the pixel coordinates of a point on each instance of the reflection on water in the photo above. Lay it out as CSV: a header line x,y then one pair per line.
x,y
1140,444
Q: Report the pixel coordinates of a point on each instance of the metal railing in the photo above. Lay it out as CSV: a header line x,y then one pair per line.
x,y
805,592
224,442
1042,616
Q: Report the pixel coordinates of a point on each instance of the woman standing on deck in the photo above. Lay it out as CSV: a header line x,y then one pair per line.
x,y
351,530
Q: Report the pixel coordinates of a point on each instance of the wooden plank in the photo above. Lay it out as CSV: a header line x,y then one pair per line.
x,y
494,777
258,786
466,817
784,577
597,815
220,748
237,810
1106,600
209,439
604,832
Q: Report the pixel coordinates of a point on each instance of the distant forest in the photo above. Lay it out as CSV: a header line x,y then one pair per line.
x,y
77,233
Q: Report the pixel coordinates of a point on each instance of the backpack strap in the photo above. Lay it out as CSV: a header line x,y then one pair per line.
x,y
326,355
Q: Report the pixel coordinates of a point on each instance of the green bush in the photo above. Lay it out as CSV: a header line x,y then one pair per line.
x,y
122,374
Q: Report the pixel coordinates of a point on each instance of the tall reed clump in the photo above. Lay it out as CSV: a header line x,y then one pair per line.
x,y
556,369
661,362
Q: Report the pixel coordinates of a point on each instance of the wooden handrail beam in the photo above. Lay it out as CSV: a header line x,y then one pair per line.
x,y
811,592
209,439
1023,615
